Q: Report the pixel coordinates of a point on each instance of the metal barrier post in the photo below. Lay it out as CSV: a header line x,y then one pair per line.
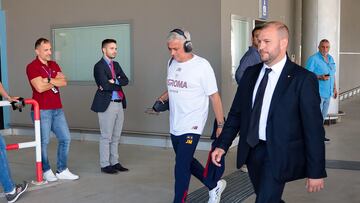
x,y
36,143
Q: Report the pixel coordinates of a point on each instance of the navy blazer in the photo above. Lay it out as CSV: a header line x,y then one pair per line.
x,y
102,75
294,131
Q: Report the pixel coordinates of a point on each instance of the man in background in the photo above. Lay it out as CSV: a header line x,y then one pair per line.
x,y
251,57
322,64
45,78
109,103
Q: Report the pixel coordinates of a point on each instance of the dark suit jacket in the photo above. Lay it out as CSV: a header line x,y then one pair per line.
x,y
294,131
102,75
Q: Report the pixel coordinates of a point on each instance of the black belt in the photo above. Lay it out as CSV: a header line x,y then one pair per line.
x,y
259,144
116,100
262,141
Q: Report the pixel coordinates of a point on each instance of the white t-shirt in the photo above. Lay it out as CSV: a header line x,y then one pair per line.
x,y
189,85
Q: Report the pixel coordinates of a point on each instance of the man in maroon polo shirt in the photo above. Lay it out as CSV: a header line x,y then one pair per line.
x,y
45,79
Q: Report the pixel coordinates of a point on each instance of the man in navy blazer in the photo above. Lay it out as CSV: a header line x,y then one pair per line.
x,y
290,142
109,102
103,77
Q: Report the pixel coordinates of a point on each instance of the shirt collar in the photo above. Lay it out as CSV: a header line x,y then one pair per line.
x,y
278,67
41,63
322,57
108,61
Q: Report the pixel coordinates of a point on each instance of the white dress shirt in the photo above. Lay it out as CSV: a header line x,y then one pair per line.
x,y
270,87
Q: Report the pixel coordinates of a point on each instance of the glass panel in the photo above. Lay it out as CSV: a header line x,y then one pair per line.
x,y
77,49
239,42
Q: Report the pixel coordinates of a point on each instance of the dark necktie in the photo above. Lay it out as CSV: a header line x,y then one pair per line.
x,y
253,130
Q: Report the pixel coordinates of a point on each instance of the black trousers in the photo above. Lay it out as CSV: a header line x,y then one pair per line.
x,y
267,188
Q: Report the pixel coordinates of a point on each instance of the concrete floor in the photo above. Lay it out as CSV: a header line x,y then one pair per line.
x,y
150,178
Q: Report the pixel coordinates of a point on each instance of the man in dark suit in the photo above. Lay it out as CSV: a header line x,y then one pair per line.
x,y
276,109
109,102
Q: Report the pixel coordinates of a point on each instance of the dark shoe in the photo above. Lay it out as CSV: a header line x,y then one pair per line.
x,y
326,139
120,168
19,190
282,201
109,170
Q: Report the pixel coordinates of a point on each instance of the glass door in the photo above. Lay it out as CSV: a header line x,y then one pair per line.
x,y
240,31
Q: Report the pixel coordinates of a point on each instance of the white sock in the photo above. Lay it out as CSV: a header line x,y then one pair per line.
x,y
12,192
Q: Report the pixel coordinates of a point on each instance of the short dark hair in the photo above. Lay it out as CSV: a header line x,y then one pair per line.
x,y
256,28
324,40
106,42
41,41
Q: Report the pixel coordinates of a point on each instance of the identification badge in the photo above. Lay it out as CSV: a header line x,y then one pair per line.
x,y
55,90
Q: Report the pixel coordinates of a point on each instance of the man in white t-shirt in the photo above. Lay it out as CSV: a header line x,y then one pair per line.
x,y
190,83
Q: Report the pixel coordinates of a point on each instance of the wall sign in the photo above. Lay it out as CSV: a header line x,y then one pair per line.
x,y
263,9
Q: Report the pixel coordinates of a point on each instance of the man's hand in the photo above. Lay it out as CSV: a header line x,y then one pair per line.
x,y
11,99
60,75
112,81
314,185
335,93
218,132
324,77
164,97
216,156
161,99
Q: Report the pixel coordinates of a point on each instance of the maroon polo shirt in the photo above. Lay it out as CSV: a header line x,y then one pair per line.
x,y
47,100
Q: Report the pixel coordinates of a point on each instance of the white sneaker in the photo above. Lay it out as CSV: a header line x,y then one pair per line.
x,y
66,175
49,176
244,168
215,194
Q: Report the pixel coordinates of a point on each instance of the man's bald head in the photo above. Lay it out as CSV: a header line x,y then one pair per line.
x,y
282,29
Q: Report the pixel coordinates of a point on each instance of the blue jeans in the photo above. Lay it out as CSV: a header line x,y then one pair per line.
x,y
5,176
54,120
324,106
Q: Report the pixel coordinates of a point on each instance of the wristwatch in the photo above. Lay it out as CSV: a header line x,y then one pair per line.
x,y
220,124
